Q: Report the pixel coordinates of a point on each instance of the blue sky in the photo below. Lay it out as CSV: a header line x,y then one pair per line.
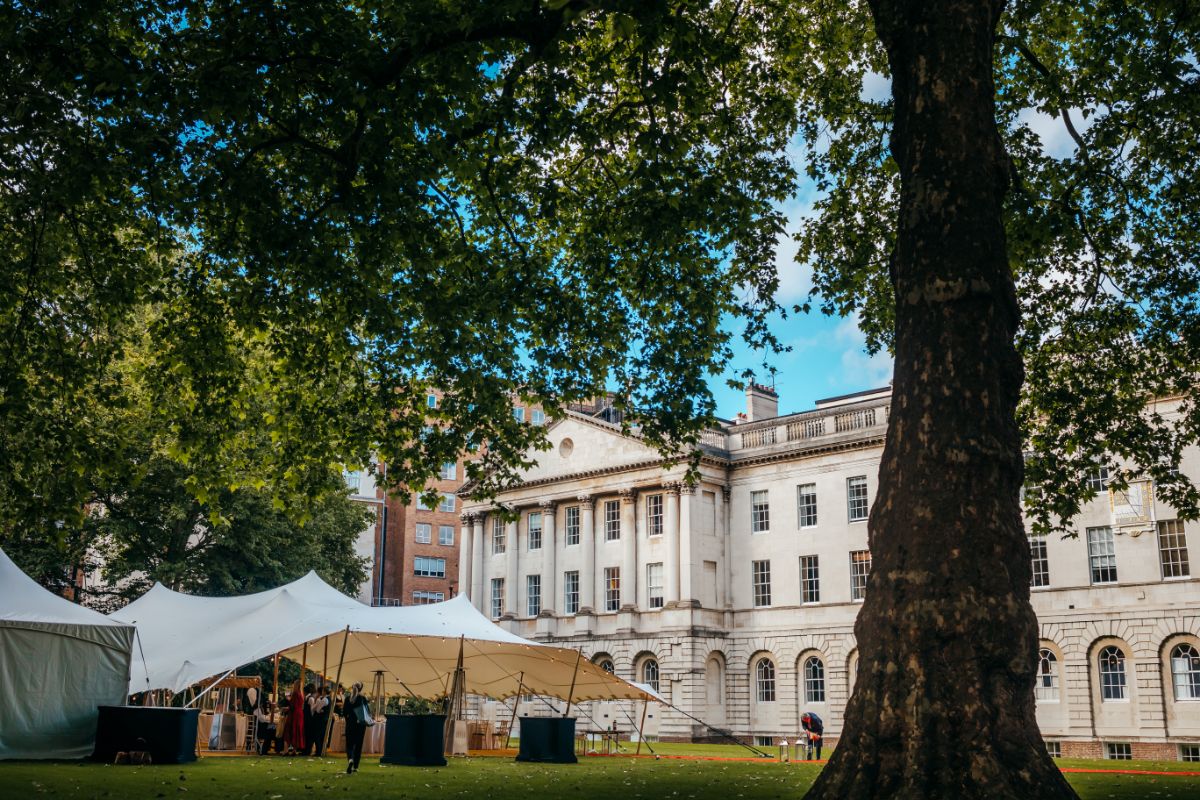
x,y
827,356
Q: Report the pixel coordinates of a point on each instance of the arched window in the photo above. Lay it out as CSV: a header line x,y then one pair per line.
x,y
764,672
814,680
650,673
1112,673
1185,672
607,665
1046,687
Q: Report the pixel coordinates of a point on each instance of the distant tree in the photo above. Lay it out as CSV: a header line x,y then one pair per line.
x,y
157,531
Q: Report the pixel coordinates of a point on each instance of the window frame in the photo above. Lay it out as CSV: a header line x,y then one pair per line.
x,y
612,520
1190,675
860,579
655,514
499,536
655,595
814,679
1173,557
854,500
448,504
423,533
612,589
534,542
1039,563
760,582
424,597
1113,683
1100,563
571,591
764,680
533,595
497,598
650,673
571,525
1046,680
442,538
431,570
760,511
806,506
810,580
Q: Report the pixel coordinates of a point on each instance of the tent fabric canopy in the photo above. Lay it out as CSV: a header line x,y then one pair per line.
x,y
58,662
186,638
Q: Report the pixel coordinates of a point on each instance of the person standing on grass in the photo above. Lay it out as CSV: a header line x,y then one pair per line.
x,y
293,729
310,697
357,713
814,730
320,719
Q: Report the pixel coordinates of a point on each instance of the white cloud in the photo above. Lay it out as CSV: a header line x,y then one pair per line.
x,y
795,280
1052,131
857,367
876,88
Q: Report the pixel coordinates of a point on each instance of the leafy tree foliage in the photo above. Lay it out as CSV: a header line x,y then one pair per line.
x,y
532,199
1101,227
159,532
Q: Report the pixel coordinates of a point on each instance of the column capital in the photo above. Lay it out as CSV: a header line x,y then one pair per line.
x,y
687,488
627,495
671,487
726,491
548,505
467,519
585,500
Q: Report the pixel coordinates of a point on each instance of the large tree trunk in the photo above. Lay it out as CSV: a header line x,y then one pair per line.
x,y
943,705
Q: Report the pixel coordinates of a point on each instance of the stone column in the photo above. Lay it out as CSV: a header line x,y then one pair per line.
x,y
726,547
512,552
671,536
687,564
628,549
550,581
587,545
479,571
464,554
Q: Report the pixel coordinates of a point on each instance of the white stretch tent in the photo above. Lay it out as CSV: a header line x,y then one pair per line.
x,y
58,662
186,639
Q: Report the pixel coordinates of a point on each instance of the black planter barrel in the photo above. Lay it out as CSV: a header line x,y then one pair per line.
x,y
168,734
547,740
414,740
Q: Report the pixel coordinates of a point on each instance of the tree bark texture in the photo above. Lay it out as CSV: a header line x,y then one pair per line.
x,y
943,704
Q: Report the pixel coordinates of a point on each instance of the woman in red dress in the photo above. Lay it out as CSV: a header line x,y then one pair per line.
x,y
293,731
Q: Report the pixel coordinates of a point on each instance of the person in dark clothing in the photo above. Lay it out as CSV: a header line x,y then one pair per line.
x,y
814,731
265,730
356,711
310,740
320,718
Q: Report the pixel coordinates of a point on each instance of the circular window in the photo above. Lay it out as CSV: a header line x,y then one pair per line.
x,y
566,447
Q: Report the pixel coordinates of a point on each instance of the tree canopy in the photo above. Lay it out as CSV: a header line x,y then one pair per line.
x,y
1101,226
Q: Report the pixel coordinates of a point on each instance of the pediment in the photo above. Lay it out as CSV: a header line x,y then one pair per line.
x,y
581,445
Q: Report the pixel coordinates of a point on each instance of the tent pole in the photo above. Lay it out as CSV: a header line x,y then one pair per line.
x,y
516,702
275,688
575,674
210,686
642,727
336,683
325,661
303,665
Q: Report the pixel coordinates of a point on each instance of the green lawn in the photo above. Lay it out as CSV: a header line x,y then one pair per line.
x,y
278,778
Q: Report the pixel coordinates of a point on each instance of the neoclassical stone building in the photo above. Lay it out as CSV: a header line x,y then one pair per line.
x,y
736,597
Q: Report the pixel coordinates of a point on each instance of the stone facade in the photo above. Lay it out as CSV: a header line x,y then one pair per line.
x,y
699,588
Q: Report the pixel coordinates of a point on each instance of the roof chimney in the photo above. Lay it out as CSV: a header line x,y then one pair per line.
x,y
762,402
